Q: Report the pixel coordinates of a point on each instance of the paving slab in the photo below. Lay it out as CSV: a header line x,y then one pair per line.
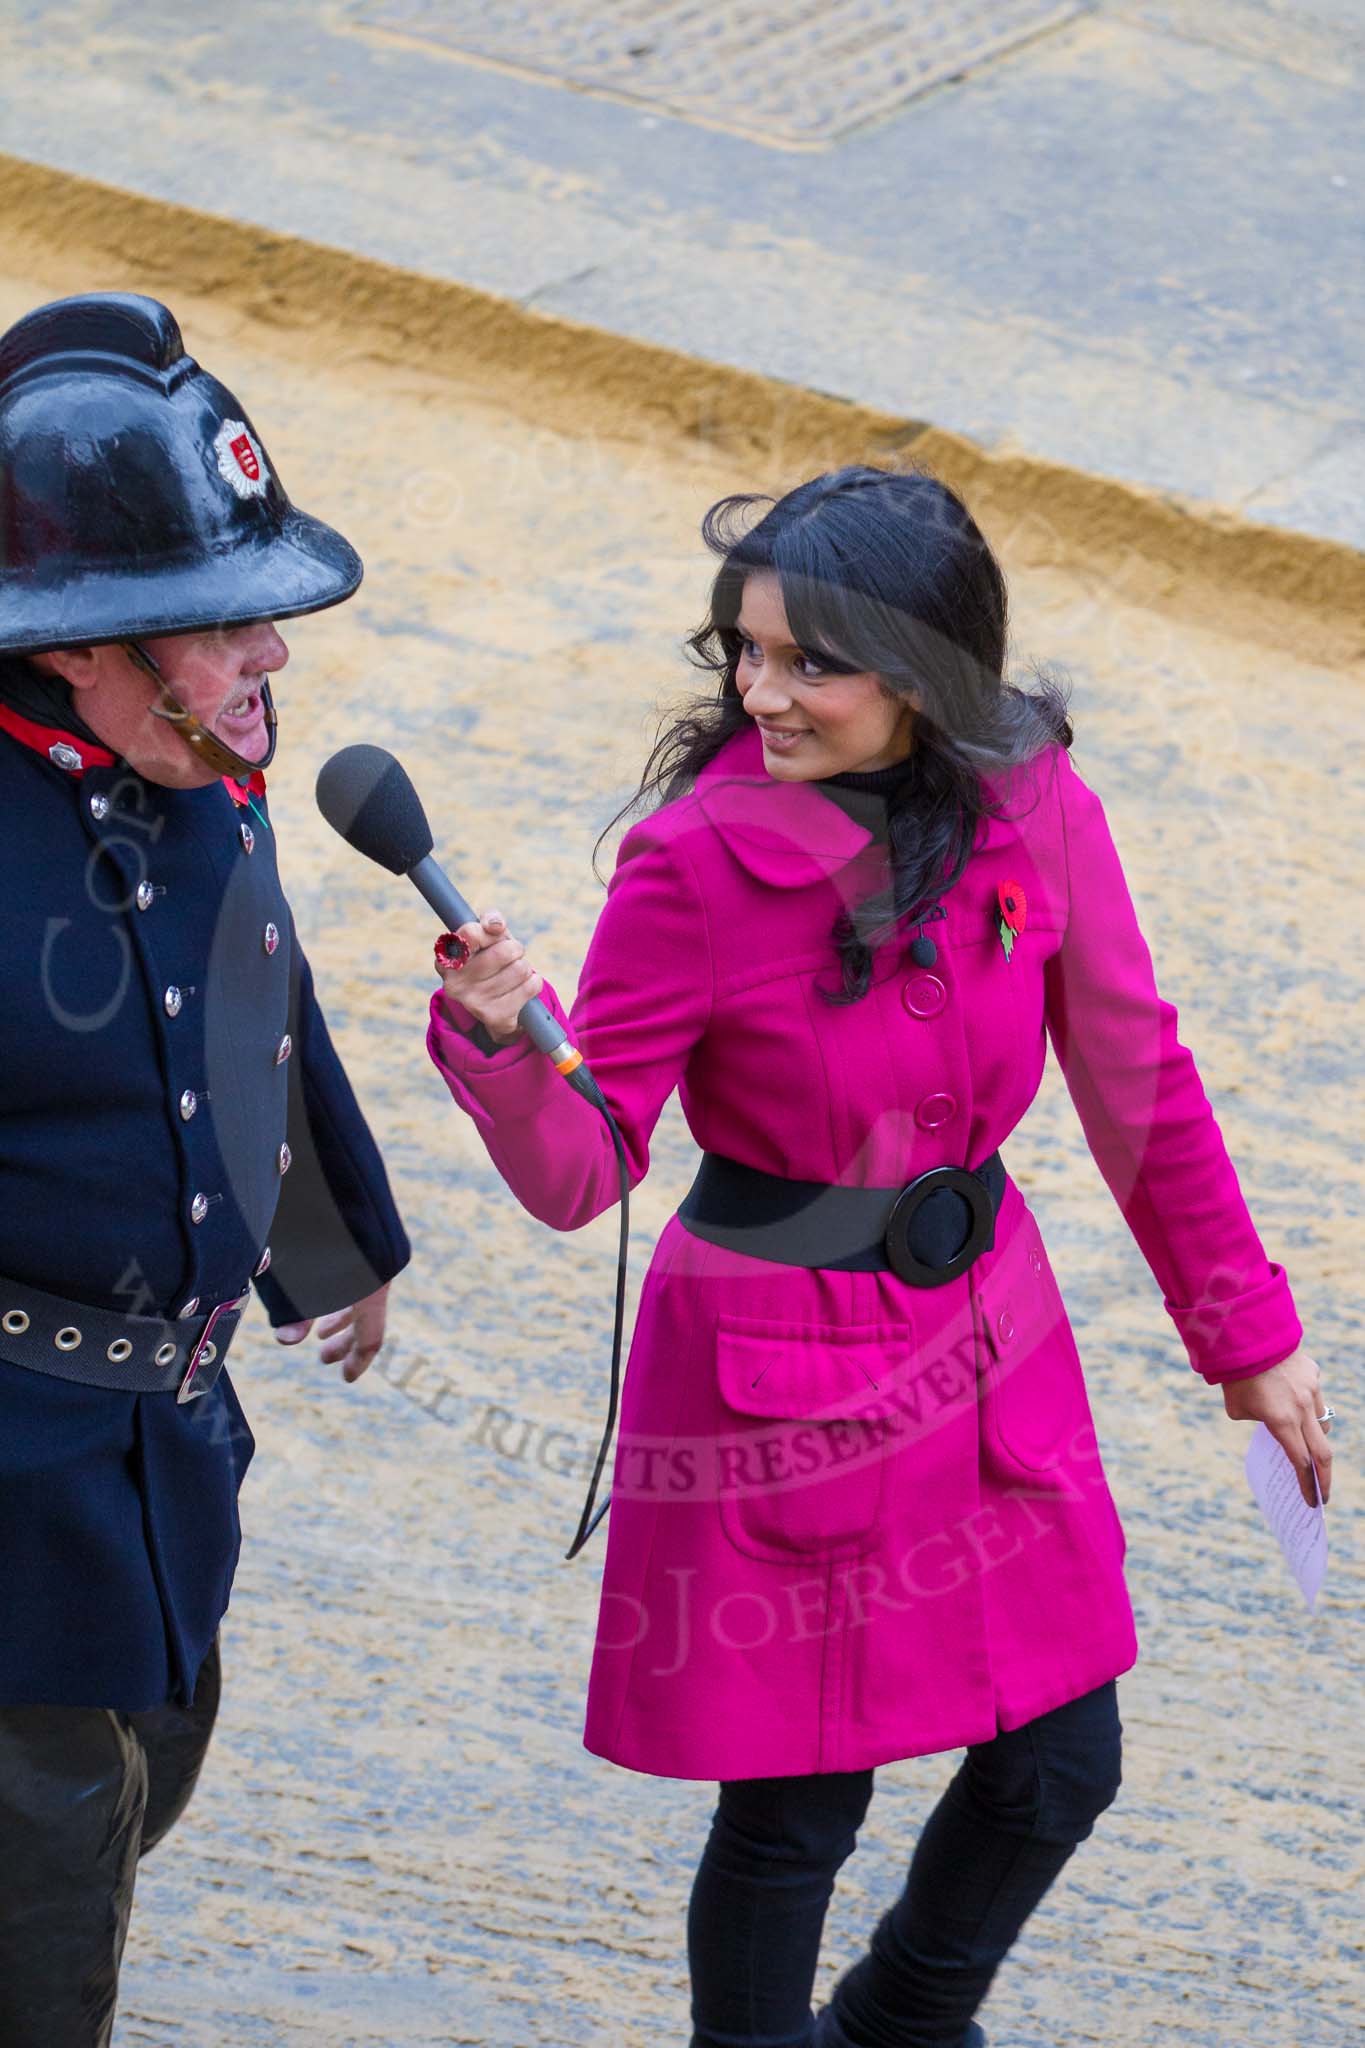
x,y
1125,237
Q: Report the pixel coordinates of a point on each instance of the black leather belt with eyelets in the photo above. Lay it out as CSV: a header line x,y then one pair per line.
x,y
98,1347
927,1232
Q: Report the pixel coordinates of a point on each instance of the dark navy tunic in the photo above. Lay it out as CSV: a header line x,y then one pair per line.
x,y
170,1104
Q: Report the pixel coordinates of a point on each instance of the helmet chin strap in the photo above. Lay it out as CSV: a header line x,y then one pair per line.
x,y
215,753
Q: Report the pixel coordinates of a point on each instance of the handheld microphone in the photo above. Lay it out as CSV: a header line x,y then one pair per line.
x,y
367,796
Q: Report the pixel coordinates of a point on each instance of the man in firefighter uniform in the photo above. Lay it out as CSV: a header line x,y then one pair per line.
x,y
174,1122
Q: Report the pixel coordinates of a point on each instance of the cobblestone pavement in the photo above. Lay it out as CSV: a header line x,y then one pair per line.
x,y
799,76
398,1839
1119,234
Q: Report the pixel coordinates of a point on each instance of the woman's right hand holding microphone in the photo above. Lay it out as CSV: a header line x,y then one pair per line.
x,y
494,981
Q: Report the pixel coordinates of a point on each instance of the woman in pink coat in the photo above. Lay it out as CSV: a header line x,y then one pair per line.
x,y
858,1510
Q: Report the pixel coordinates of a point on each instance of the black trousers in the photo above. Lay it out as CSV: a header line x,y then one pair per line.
x,y
84,1792
997,1839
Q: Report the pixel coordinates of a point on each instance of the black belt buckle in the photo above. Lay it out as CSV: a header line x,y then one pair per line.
x,y
980,1238
206,1359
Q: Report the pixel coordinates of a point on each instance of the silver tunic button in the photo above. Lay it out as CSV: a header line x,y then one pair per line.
x,y
248,837
271,937
189,1102
63,756
285,1158
146,896
99,806
264,1266
283,1050
188,1308
199,1208
172,1001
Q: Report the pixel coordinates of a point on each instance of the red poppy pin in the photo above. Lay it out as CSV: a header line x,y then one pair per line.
x,y
1013,913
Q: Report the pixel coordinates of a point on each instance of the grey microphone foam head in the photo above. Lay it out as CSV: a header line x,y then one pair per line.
x,y
366,796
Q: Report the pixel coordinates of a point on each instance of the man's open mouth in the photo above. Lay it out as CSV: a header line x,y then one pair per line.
x,y
243,709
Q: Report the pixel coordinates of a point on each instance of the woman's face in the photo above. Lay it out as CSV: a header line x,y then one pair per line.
x,y
813,722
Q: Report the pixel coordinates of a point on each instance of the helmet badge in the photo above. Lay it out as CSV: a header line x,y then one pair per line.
x,y
241,464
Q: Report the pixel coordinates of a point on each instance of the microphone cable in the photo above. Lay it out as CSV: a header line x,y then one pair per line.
x,y
367,796
583,1082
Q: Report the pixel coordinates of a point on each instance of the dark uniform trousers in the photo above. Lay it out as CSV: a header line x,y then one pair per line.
x,y
84,1793
170,1104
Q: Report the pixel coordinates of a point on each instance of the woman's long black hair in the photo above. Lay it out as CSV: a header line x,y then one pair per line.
x,y
883,571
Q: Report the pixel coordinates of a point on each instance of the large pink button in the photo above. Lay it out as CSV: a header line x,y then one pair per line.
x,y
924,995
934,1110
1005,1325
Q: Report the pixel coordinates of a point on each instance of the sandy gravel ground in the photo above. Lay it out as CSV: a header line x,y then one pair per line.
x,y
399,1840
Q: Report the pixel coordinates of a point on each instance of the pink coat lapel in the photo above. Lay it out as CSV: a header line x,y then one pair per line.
x,y
786,833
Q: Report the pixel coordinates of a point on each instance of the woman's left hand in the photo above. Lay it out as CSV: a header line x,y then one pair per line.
x,y
1287,1398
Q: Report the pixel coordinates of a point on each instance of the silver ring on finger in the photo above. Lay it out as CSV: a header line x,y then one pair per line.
x,y
1328,1415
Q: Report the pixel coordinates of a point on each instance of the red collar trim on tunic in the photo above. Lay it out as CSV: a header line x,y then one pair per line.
x,y
83,754
43,738
785,833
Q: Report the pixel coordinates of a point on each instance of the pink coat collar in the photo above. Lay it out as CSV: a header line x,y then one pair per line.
x,y
786,833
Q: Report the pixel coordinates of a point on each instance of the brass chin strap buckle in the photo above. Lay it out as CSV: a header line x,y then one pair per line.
x,y
214,752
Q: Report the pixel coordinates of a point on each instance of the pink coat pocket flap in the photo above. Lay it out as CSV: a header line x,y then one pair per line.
x,y
804,1451
815,1372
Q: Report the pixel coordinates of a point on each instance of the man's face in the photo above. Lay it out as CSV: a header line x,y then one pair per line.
x,y
217,676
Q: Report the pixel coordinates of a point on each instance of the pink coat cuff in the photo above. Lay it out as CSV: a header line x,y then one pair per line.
x,y
515,1081
1242,1334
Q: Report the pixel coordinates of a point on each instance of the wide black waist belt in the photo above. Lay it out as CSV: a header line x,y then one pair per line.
x,y
927,1232
98,1347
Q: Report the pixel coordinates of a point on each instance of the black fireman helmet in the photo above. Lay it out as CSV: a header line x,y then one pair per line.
x,y
136,497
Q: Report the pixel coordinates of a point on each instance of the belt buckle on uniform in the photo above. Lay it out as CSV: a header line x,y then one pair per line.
x,y
193,1385
980,1237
